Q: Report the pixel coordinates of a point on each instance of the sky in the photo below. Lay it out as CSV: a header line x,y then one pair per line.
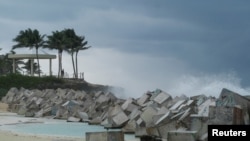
x,y
181,47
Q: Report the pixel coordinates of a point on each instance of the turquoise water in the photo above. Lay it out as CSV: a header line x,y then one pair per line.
x,y
58,128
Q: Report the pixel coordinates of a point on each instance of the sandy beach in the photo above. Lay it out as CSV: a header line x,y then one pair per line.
x,y
3,107
7,117
9,136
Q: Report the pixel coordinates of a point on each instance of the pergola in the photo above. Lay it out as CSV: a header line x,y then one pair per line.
x,y
32,57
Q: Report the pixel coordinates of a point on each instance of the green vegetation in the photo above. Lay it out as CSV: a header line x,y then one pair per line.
x,y
29,82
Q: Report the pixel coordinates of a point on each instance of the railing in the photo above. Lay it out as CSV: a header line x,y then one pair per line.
x,y
65,75
78,76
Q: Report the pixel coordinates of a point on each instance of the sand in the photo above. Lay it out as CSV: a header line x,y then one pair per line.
x,y
3,107
6,117
9,136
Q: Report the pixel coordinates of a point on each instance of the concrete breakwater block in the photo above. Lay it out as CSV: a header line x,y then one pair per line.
x,y
153,116
105,136
182,136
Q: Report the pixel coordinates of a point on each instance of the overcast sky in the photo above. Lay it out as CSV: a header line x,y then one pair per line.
x,y
182,47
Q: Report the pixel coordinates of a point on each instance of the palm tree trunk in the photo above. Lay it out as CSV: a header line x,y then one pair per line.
x,y
59,64
72,56
37,61
76,64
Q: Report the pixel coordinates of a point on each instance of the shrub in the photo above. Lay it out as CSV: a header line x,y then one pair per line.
x,y
29,82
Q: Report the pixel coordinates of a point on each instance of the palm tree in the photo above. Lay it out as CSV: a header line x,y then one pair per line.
x,y
74,44
71,42
27,67
6,64
57,41
17,62
29,38
81,45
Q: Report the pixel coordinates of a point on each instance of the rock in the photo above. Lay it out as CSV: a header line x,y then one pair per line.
x,y
155,115
95,121
73,119
10,95
199,123
164,118
231,99
225,115
129,105
163,98
134,114
147,115
162,111
22,110
203,108
174,108
182,135
120,119
129,127
83,116
144,99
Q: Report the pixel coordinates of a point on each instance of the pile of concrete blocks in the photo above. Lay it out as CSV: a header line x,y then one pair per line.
x,y
183,118
156,115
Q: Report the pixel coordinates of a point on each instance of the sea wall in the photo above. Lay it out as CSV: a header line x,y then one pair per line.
x,y
156,115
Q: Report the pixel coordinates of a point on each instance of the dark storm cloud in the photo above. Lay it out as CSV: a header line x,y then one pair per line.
x,y
186,29
209,37
38,10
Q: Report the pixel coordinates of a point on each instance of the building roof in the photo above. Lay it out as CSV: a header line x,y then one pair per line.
x,y
31,56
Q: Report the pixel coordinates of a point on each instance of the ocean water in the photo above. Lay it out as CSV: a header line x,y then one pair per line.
x,y
52,127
